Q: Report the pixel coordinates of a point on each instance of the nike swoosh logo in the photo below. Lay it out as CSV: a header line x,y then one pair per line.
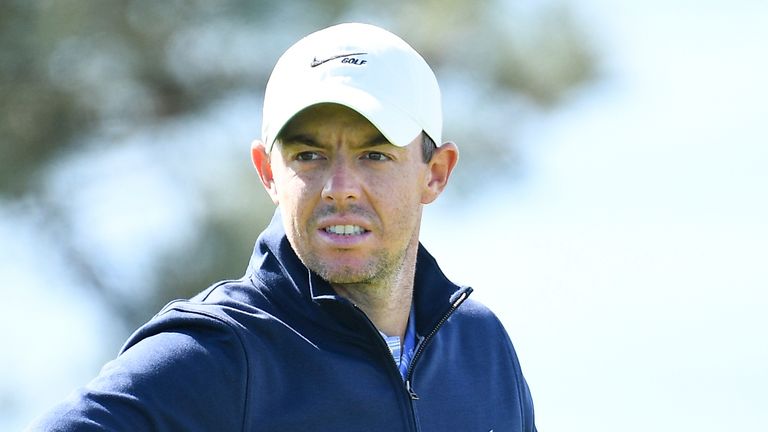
x,y
316,62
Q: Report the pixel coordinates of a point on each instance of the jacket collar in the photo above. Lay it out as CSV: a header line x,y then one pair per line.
x,y
281,272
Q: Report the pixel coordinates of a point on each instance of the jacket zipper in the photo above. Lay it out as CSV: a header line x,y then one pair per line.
x,y
383,343
383,346
462,295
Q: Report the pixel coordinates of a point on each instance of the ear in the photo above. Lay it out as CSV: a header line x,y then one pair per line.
x,y
439,170
263,165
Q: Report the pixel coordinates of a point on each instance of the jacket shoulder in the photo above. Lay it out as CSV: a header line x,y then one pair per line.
x,y
155,382
484,359
474,313
480,324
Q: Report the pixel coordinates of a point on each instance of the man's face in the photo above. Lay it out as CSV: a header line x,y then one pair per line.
x,y
351,202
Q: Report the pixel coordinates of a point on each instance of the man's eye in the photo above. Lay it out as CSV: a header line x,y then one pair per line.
x,y
376,156
307,156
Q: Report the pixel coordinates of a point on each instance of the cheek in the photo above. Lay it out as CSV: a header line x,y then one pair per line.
x,y
407,186
299,198
399,199
295,200
293,187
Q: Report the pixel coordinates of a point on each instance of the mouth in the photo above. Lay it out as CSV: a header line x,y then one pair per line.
x,y
345,230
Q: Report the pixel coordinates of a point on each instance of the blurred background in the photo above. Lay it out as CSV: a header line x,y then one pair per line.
x,y
609,205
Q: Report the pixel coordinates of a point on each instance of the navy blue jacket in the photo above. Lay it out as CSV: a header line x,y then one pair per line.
x,y
278,350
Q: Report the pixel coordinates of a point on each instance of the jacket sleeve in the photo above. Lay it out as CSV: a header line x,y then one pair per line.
x,y
181,374
525,398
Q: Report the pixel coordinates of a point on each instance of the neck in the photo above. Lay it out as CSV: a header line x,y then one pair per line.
x,y
387,300
388,309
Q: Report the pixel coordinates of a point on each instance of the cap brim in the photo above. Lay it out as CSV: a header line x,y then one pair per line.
x,y
392,122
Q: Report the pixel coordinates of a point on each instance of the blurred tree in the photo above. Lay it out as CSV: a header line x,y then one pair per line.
x,y
142,90
125,124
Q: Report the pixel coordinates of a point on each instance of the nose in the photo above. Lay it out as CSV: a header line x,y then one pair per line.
x,y
342,184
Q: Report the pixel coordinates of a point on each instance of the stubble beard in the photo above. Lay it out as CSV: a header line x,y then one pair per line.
x,y
380,268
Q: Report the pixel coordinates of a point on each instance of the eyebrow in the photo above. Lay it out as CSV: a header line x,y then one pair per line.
x,y
310,141
298,139
377,140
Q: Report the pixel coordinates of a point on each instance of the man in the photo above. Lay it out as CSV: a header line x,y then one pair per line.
x,y
343,320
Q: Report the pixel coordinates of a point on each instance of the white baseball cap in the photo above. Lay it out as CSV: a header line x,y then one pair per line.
x,y
363,67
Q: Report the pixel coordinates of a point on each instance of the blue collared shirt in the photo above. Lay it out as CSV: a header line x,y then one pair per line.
x,y
403,353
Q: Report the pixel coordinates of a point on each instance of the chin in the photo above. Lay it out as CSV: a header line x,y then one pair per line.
x,y
344,274
347,277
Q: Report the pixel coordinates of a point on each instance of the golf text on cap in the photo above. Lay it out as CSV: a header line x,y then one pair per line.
x,y
347,59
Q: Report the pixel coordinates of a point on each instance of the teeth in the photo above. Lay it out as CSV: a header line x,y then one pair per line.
x,y
344,229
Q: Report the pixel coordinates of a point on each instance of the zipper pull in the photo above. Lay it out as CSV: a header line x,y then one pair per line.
x,y
411,393
459,296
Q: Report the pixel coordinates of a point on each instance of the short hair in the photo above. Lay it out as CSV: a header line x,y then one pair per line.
x,y
428,147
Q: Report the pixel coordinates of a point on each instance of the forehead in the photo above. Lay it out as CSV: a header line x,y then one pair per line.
x,y
330,121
